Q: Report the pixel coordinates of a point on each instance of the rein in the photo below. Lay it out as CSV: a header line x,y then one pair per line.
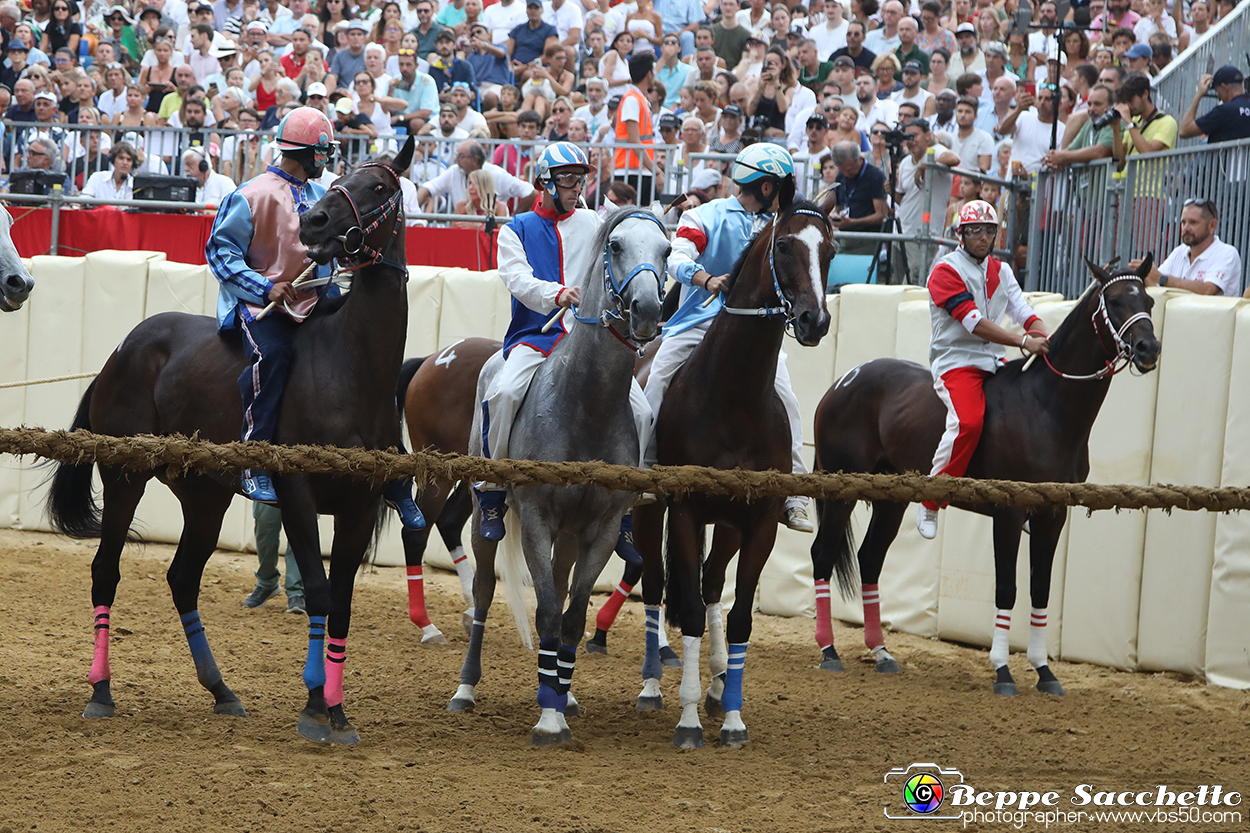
x,y
783,311
619,311
1122,356
354,238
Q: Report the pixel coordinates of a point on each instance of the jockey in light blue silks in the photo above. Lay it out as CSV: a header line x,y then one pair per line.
x,y
709,241
254,251
543,257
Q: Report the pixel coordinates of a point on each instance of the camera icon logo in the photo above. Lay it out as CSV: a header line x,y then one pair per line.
x,y
922,789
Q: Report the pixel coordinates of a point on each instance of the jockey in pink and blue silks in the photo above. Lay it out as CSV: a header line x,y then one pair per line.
x,y
542,257
254,251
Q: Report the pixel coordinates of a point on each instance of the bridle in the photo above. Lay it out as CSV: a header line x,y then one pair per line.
x,y
619,310
1122,357
354,238
784,310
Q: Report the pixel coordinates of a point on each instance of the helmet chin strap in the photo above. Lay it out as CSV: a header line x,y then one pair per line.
x,y
554,191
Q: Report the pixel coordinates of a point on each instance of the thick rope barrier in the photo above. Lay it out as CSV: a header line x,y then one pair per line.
x,y
180,454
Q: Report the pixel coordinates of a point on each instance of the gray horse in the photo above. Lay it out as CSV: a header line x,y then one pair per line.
x,y
15,282
577,408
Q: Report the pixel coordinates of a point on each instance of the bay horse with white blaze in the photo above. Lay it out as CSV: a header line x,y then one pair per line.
x,y
721,410
175,374
577,408
884,417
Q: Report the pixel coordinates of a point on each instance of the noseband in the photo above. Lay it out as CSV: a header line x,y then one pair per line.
x,y
619,311
784,310
354,238
1120,358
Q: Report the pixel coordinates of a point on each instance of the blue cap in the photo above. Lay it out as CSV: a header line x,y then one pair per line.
x,y
1139,50
358,24
1224,75
17,44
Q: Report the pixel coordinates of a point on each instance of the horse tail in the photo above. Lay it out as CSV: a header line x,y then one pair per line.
x,y
515,575
72,505
673,589
406,371
835,544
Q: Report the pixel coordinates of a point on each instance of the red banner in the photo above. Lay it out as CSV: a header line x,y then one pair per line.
x,y
182,237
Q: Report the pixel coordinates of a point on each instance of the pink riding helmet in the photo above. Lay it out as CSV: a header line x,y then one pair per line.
x,y
306,127
976,212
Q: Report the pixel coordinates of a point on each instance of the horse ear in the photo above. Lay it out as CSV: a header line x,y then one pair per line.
x,y
785,193
1098,271
829,202
1147,263
404,161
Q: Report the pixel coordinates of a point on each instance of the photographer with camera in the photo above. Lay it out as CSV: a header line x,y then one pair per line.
x,y
861,197
1094,136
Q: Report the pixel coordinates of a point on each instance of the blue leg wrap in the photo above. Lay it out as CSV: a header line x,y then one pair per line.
x,y
205,666
315,665
471,671
651,667
732,698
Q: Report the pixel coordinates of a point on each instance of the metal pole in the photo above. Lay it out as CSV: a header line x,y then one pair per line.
x,y
56,220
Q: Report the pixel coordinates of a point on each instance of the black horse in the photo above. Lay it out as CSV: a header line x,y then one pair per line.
x,y
175,374
884,417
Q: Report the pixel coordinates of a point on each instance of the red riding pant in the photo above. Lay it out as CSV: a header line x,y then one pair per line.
x,y
961,391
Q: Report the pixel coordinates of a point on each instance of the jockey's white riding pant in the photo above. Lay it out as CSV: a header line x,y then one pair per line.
x,y
672,355
507,391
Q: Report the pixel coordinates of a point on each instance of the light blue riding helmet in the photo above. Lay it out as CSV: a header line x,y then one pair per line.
x,y
560,155
760,160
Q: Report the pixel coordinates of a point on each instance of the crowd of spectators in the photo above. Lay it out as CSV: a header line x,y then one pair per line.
x,y
829,81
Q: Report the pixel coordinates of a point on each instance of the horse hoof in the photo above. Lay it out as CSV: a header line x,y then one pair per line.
x,y
230,708
1050,687
888,666
688,737
572,710
95,709
712,707
435,638
669,658
459,704
650,704
314,727
1006,689
341,729
733,738
832,665
593,646
538,738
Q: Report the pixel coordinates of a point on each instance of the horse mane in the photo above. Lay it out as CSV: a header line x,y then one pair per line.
x,y
782,217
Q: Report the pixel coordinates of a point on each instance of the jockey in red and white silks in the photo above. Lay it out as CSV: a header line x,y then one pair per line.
x,y
969,292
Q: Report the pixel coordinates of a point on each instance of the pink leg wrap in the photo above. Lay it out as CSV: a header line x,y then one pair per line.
x,y
873,637
336,657
608,613
824,622
416,597
100,663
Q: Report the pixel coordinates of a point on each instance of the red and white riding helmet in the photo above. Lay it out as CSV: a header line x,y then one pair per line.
x,y
305,127
977,212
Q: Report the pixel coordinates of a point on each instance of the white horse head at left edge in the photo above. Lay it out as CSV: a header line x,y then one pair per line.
x,y
15,282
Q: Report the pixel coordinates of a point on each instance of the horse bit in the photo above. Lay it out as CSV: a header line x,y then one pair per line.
x,y
1123,355
615,290
353,239
784,310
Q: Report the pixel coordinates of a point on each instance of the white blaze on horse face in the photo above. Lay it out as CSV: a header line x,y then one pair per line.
x,y
812,238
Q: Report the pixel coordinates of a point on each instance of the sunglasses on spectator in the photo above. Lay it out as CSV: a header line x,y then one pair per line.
x,y
1201,203
878,132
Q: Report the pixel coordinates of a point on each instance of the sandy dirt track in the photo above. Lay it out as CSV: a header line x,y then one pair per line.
x,y
820,743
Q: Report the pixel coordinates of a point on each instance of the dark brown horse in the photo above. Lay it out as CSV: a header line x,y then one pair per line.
x,y
884,417
721,410
175,374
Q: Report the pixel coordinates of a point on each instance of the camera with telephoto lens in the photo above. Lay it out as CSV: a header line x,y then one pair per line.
x,y
894,138
1105,119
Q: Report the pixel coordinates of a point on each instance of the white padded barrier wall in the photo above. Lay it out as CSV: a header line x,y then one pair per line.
x,y
966,603
14,334
474,304
1102,586
55,349
178,287
1188,444
1228,620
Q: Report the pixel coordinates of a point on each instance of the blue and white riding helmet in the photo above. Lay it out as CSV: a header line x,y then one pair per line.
x,y
762,160
559,156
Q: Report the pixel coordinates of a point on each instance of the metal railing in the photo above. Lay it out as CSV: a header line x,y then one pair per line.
x,y
1228,41
1091,211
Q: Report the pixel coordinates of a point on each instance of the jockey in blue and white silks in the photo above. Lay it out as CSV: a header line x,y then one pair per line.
x,y
709,241
543,256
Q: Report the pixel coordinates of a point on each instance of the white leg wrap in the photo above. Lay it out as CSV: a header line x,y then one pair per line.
x,y
464,692
999,648
718,650
690,690
1037,637
881,654
572,701
464,569
663,634
650,688
430,632
733,722
716,688
549,722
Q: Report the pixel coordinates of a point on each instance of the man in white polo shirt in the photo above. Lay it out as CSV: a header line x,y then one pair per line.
x,y
1202,263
